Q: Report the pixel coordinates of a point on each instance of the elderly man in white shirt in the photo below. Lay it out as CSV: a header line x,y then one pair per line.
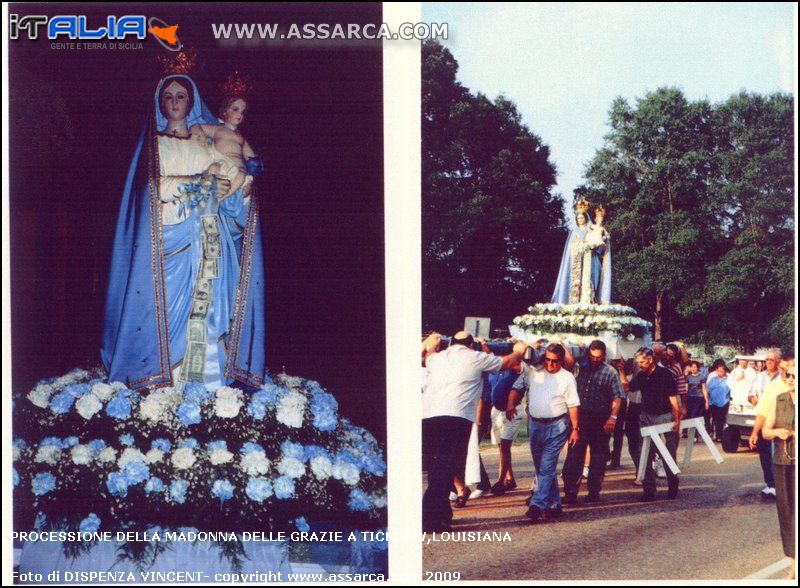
x,y
552,421
449,408
741,381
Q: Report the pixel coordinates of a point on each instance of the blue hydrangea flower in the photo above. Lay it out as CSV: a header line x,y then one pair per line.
x,y
189,413
191,442
268,393
154,484
295,450
359,500
43,483
178,489
258,489
222,489
217,446
313,451
52,441
117,484
196,393
77,390
90,524
302,525
20,444
136,472
284,487
97,445
70,441
126,439
162,445
119,407
324,421
61,403
257,410
15,476
251,447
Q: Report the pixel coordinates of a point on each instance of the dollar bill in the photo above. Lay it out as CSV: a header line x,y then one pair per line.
x,y
199,309
203,289
210,225
196,331
210,269
194,362
211,246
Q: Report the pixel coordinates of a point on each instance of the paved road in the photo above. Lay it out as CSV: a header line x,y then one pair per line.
x,y
719,528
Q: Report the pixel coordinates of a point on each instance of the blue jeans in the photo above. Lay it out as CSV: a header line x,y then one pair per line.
x,y
696,406
547,441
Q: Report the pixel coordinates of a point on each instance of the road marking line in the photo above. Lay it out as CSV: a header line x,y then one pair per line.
x,y
770,570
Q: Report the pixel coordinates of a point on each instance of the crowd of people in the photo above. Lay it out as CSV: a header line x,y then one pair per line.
x,y
576,398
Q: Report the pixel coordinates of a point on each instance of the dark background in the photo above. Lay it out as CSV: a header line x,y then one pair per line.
x,y
315,117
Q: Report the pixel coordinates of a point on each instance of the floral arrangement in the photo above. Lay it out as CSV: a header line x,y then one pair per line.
x,y
90,455
583,319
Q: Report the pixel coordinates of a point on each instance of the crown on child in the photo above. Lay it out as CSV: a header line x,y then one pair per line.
x,y
237,86
582,205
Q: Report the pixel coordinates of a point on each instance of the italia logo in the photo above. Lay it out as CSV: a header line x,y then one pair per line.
x,y
76,27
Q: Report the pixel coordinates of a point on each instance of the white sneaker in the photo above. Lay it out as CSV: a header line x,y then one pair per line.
x,y
585,471
453,496
475,494
767,491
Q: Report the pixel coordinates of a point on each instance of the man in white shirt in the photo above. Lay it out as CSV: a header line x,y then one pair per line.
x,y
552,421
741,381
449,408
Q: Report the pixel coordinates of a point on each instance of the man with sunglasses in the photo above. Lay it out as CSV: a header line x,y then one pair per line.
x,y
659,405
552,421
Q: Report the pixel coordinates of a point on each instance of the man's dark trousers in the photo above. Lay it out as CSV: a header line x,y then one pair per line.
x,y
591,434
444,452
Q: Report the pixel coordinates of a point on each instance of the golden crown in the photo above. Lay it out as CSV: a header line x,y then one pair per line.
x,y
236,86
582,205
600,211
181,62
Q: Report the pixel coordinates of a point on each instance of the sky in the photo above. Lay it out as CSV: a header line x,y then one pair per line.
x,y
563,64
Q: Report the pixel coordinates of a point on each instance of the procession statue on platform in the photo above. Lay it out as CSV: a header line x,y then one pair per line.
x,y
585,272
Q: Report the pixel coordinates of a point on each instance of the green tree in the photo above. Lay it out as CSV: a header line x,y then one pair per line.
x,y
700,201
652,176
489,217
750,293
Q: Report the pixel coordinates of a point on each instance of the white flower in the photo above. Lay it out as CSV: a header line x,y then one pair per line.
x,y
346,472
15,452
289,410
291,381
40,396
48,454
154,407
105,391
88,405
255,463
322,467
107,455
292,467
378,501
81,454
228,402
183,458
154,456
118,386
220,456
130,454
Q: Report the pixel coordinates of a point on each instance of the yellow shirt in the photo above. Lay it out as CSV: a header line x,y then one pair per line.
x,y
766,404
